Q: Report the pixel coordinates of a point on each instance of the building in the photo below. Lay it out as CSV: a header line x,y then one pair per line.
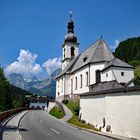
x,y
94,65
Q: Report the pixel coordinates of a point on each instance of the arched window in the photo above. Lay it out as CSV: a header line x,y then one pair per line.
x,y
58,93
81,79
62,85
86,78
75,82
71,85
72,52
64,52
98,76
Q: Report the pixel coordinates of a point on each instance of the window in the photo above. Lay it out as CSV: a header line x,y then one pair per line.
x,y
106,74
81,79
64,52
71,85
84,59
86,78
58,93
62,85
123,84
75,82
72,52
122,73
98,76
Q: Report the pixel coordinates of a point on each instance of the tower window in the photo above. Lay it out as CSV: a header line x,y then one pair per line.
x,y
64,52
122,73
98,76
72,52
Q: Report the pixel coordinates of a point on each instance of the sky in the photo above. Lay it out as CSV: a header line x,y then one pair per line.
x,y
32,31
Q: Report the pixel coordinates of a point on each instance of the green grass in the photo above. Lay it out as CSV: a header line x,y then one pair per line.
x,y
74,106
56,112
137,71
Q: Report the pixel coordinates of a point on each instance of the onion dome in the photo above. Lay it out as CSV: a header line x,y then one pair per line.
x,y
70,37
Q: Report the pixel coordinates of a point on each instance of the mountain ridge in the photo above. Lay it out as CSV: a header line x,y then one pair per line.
x,y
41,87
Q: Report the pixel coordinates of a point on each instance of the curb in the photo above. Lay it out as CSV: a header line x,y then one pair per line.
x,y
98,133
6,121
19,124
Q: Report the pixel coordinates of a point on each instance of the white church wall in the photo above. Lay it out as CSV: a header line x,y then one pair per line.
x,y
67,85
93,68
107,75
128,74
121,111
77,74
60,87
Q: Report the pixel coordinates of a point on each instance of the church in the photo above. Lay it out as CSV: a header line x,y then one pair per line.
x,y
103,83
96,64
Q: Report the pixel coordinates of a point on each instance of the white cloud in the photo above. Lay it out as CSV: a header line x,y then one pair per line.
x,y
52,64
25,64
113,47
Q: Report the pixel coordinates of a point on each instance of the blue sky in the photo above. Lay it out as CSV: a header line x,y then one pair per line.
x,y
33,30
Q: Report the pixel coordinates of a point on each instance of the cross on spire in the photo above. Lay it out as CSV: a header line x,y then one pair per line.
x,y
70,14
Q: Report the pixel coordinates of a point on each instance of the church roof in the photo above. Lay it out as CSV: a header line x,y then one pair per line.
x,y
97,52
103,86
111,87
117,63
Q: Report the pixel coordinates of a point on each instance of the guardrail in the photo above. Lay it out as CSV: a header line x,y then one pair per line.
x,y
6,114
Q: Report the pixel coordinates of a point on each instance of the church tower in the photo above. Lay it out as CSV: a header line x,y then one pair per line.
x,y
70,47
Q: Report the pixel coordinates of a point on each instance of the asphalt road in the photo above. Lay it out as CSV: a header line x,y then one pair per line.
x,y
39,125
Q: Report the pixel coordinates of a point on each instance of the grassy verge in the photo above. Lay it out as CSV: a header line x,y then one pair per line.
x,y
137,71
137,75
74,107
56,112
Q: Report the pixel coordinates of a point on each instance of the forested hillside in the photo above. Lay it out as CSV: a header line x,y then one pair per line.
x,y
10,96
129,51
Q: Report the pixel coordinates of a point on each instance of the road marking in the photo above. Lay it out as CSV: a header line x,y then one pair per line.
x,y
55,131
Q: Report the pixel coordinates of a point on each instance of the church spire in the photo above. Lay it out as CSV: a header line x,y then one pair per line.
x,y
70,24
70,15
70,37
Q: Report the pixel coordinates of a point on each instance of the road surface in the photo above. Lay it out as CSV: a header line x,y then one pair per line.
x,y
39,125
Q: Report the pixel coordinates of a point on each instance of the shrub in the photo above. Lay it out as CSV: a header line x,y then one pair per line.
x,y
83,121
65,102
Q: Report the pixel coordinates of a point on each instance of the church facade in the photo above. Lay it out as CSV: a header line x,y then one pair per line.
x,y
94,65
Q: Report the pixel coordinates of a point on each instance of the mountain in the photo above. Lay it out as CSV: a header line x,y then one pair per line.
x,y
42,87
17,80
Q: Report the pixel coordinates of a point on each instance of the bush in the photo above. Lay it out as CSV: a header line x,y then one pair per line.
x,y
83,121
76,110
65,102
